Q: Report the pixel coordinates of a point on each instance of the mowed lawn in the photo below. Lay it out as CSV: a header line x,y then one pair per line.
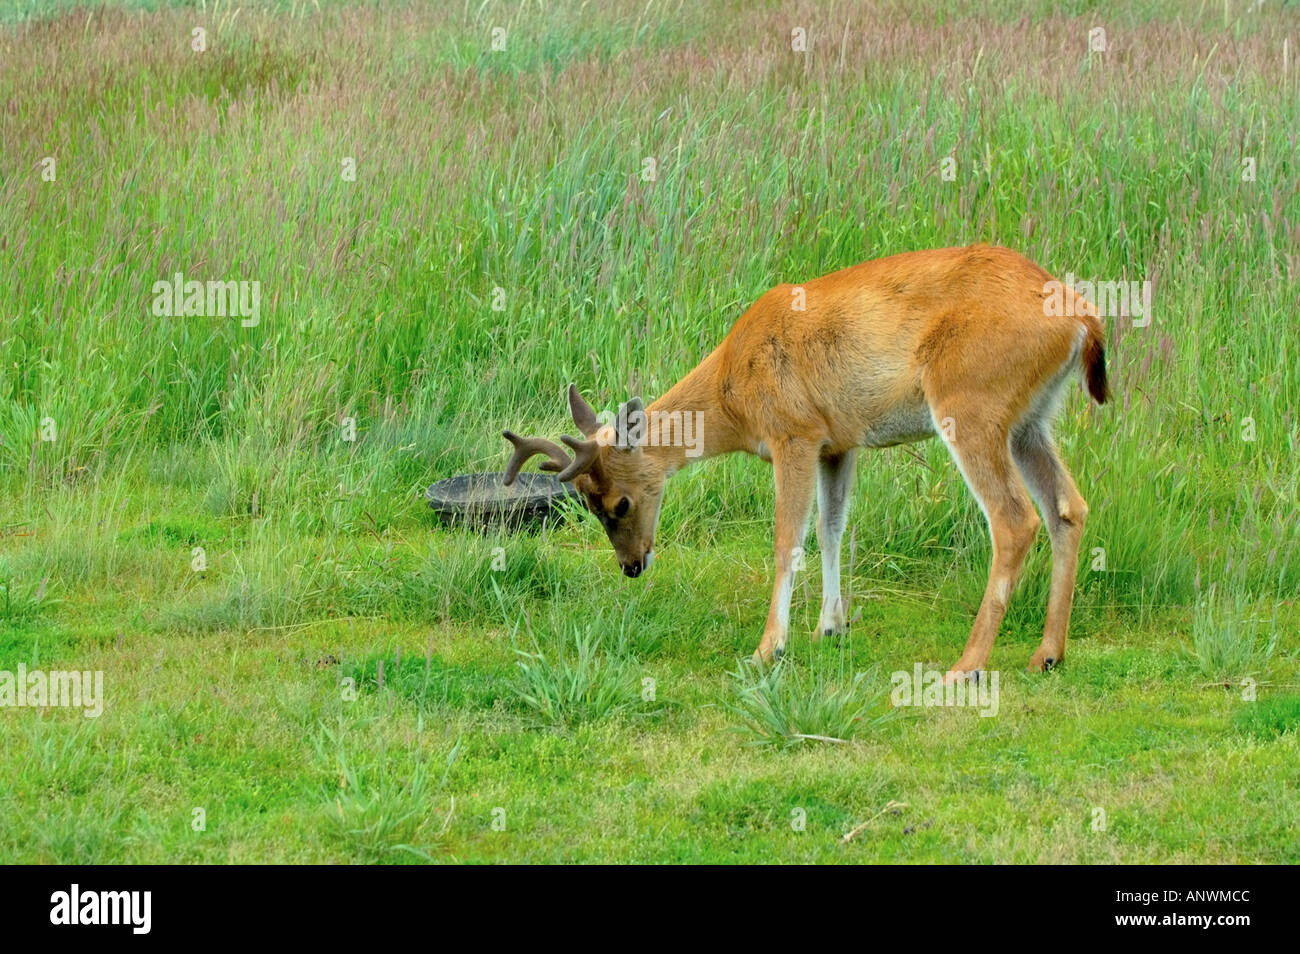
x,y
451,214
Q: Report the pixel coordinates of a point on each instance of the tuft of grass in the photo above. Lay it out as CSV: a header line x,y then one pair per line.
x,y
65,766
1228,642
788,705
379,803
21,600
574,681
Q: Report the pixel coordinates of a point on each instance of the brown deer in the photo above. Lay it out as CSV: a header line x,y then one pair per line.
x,y
963,343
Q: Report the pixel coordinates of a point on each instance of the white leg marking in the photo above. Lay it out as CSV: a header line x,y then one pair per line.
x,y
786,582
785,573
834,484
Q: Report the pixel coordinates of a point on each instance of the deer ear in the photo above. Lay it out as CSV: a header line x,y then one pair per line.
x,y
583,415
631,426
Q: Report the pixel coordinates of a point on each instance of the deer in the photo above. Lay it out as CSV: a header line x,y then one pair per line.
x,y
969,344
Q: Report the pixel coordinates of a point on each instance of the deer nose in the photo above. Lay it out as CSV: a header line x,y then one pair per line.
x,y
632,570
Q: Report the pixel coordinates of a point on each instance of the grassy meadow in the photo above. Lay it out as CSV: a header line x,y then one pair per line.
x,y
300,665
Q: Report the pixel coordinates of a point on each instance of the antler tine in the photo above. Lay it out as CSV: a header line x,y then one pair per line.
x,y
584,455
526,447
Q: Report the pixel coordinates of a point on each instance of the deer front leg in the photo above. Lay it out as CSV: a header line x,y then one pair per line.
x,y
794,465
834,485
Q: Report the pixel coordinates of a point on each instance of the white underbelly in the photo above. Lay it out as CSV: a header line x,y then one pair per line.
x,y
902,425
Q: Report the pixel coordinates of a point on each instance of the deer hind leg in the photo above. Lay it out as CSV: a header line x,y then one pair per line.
x,y
1064,512
794,464
834,485
985,462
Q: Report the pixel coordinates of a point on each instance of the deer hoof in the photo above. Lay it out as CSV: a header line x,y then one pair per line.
x,y
833,620
1043,661
954,676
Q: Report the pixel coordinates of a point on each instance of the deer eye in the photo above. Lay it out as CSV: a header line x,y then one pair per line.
x,y
623,506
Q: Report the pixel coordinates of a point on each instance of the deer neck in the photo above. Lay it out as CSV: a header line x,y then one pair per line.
x,y
688,423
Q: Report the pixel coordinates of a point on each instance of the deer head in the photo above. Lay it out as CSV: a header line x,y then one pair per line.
x,y
619,482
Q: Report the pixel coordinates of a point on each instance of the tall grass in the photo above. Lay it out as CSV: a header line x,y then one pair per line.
x,y
521,170
1229,642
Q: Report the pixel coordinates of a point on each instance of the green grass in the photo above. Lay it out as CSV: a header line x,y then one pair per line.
x,y
786,705
572,714
1227,644
570,680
